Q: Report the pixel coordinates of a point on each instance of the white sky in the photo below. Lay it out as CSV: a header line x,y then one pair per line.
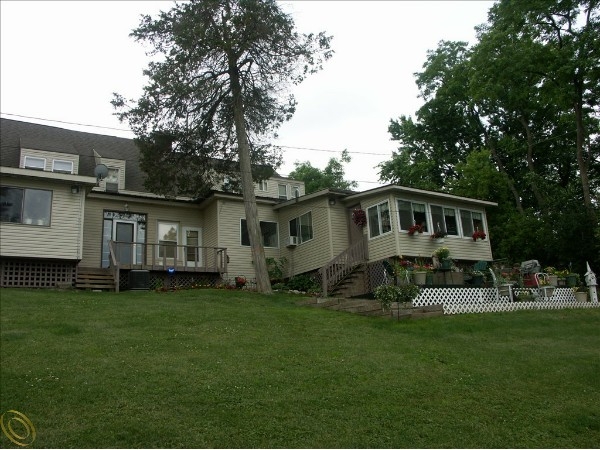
x,y
63,60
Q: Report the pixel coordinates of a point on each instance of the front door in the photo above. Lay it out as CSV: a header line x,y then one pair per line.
x,y
192,242
125,237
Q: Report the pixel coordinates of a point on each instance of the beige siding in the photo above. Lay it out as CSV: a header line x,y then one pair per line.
x,y
230,213
184,215
273,188
50,157
321,249
61,240
114,164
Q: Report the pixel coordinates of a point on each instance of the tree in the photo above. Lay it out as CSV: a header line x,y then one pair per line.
x,y
332,177
216,95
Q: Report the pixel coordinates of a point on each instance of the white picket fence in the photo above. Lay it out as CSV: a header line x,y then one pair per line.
x,y
479,300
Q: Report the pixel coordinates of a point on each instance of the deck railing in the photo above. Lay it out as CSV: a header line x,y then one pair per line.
x,y
138,255
343,264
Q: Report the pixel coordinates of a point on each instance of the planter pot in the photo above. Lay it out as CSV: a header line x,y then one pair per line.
x,y
547,291
477,280
446,264
440,240
553,280
561,282
420,277
429,278
571,280
455,278
581,296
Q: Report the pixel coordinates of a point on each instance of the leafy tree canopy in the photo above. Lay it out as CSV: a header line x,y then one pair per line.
x,y
332,177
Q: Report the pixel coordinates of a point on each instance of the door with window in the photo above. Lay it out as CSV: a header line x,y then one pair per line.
x,y
124,235
192,239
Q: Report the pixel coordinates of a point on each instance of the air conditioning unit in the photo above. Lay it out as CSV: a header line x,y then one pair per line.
x,y
112,187
292,241
139,280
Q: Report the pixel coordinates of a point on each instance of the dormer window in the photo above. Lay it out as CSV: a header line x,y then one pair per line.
x,y
32,162
61,166
112,180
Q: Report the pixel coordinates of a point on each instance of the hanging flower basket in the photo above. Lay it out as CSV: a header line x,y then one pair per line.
x,y
240,282
359,217
415,229
479,235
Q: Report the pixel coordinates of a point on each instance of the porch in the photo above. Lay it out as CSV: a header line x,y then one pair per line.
x,y
165,259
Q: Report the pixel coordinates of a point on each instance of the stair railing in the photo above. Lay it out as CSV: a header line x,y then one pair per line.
x,y
114,264
343,264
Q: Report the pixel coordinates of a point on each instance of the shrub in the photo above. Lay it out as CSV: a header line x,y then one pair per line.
x,y
388,294
302,283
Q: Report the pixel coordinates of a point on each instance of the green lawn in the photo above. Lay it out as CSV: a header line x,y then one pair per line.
x,y
209,368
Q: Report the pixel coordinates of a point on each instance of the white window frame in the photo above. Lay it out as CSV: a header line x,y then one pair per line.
x,y
295,191
412,215
262,186
160,247
465,233
381,229
62,161
279,186
307,218
443,225
26,164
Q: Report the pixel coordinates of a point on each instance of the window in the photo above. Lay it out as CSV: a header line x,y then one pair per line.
x,y
31,162
295,191
302,227
262,185
62,166
471,221
28,206
378,218
410,214
268,230
167,239
444,219
283,191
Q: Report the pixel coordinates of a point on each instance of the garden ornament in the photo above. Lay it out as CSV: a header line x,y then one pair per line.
x,y
590,280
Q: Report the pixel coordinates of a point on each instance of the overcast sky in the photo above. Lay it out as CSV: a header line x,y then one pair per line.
x,y
63,60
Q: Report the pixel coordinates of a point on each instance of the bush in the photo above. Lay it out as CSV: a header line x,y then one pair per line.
x,y
302,283
388,294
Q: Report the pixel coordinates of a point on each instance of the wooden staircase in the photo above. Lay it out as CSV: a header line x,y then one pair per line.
x,y
352,285
94,278
365,307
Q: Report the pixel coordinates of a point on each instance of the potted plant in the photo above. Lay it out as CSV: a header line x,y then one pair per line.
x,y
552,276
478,235
420,269
561,275
240,281
546,289
478,277
572,279
443,254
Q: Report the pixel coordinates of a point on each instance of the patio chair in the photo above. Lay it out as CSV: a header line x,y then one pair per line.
x,y
501,287
388,270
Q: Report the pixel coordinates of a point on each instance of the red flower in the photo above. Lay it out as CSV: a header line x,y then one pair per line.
x,y
359,217
479,235
415,229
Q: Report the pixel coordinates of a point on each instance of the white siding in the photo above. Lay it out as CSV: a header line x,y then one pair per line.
x,y
49,157
61,240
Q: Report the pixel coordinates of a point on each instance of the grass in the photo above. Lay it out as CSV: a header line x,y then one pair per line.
x,y
208,368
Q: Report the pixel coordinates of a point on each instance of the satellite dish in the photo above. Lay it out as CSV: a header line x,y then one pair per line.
x,y
100,171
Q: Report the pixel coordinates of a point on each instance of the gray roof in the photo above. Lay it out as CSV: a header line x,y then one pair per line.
x,y
15,135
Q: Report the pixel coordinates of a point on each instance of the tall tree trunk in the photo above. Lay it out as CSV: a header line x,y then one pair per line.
x,y
263,284
530,166
581,162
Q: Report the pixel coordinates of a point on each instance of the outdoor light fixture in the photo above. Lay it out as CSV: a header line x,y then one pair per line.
x,y
331,201
74,189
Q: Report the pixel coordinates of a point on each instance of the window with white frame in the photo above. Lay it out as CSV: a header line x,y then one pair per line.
x,y
295,191
168,237
282,189
23,205
262,185
62,166
411,213
302,227
378,218
471,221
33,162
268,230
444,219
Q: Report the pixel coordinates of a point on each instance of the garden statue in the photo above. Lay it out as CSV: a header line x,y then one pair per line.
x,y
590,280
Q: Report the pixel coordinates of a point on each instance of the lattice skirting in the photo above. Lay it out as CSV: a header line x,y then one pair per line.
x,y
179,280
480,300
37,273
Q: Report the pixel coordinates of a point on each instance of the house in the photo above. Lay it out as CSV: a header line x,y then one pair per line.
x,y
59,220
